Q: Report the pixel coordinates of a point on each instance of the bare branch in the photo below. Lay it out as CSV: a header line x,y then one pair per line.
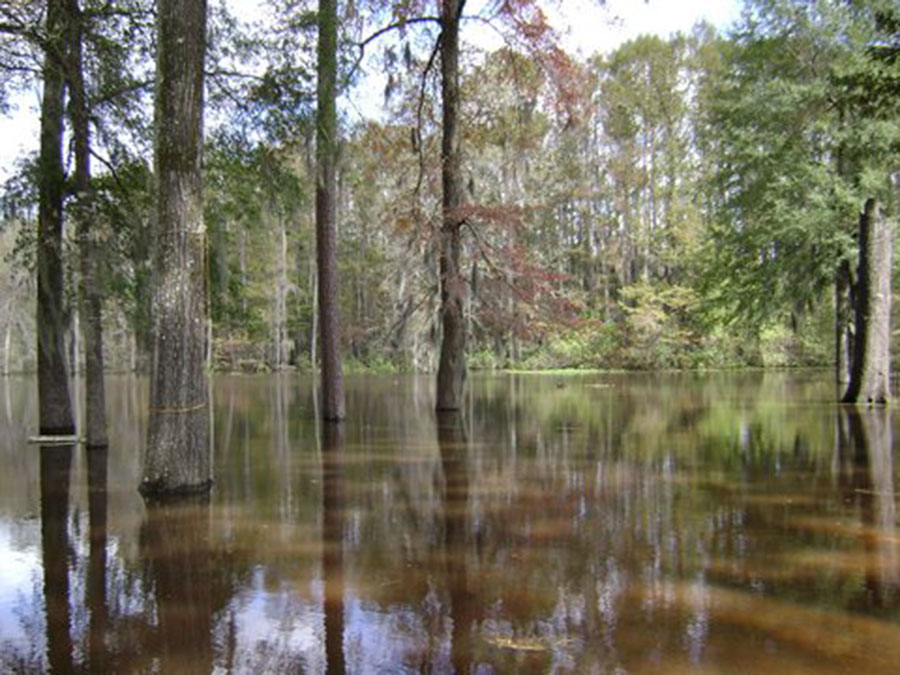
x,y
399,25
418,129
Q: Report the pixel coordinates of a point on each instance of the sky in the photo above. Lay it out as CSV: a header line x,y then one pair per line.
x,y
586,28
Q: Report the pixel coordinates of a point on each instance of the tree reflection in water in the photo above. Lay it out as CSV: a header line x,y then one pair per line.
x,y
98,462
864,451
452,442
175,546
333,543
56,468
657,527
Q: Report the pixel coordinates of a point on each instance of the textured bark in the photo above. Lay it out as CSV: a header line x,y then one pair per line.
x,y
452,364
56,469
90,305
326,235
333,544
178,454
870,372
53,382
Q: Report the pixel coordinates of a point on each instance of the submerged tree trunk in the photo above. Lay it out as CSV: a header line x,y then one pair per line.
x,y
870,372
452,364
53,382
90,306
326,236
178,453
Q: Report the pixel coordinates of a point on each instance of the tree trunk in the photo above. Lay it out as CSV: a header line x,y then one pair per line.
x,y
178,453
7,344
326,236
843,333
53,382
90,306
870,372
452,365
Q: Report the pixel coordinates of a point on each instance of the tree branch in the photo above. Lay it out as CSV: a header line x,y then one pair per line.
x,y
418,129
399,25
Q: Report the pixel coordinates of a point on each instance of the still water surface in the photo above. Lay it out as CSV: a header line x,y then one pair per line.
x,y
589,524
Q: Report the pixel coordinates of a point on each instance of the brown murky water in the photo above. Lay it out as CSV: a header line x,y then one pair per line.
x,y
587,524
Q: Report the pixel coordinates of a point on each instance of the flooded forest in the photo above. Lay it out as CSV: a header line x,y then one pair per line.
x,y
394,337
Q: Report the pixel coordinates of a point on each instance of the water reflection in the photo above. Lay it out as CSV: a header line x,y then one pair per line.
x,y
56,467
175,546
98,610
453,446
632,524
333,543
865,443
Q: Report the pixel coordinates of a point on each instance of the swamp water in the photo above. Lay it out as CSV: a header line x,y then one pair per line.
x,y
595,523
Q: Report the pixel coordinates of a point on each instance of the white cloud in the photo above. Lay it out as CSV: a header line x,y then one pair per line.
x,y
589,28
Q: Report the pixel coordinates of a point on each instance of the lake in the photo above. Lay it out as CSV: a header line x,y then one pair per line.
x,y
595,523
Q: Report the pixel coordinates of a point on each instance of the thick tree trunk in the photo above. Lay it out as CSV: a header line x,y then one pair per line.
x,y
452,364
90,305
53,382
870,372
326,235
178,452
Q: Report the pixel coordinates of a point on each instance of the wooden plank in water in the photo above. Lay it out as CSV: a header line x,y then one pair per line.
x,y
53,440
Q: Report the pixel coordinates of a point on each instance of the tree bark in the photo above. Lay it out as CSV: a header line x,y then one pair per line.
x,y
55,406
843,334
452,365
178,453
870,372
326,236
90,305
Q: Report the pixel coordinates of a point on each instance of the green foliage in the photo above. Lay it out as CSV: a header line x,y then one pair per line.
x,y
685,206
801,145
660,325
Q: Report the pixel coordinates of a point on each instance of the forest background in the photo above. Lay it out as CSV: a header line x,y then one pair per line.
x,y
681,202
